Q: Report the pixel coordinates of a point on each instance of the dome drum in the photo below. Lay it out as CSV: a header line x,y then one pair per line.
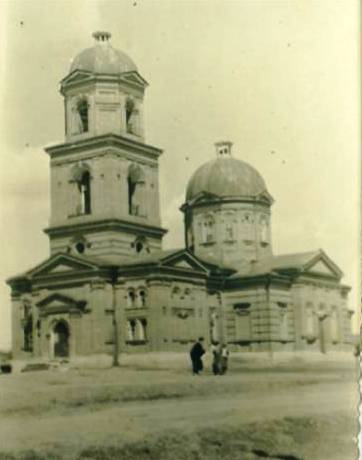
x,y
229,232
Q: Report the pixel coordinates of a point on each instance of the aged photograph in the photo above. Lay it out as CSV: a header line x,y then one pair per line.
x,y
180,221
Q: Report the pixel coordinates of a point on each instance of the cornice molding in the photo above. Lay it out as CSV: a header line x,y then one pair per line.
x,y
97,155
269,280
105,224
79,78
103,141
215,200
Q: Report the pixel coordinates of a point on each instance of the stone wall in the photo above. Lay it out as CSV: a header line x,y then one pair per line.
x,y
322,319
258,319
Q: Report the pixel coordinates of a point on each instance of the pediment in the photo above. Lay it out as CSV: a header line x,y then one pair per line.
x,y
183,313
56,300
61,263
184,260
62,268
323,265
183,264
60,303
198,199
76,76
203,196
135,78
265,196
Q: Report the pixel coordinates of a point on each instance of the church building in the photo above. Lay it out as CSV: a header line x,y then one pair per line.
x,y
108,277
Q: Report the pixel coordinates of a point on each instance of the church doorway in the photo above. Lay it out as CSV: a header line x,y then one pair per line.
x,y
61,339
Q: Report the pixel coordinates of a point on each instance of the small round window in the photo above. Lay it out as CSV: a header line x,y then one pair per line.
x,y
80,247
139,246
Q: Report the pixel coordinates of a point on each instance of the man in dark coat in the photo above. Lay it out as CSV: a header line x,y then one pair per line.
x,y
196,353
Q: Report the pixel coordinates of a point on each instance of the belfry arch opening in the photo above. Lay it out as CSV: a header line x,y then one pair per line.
x,y
85,193
83,115
136,184
130,113
81,179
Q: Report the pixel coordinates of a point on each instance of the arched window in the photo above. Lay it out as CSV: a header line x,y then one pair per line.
x,y
263,228
140,245
132,206
142,297
85,193
186,297
208,229
229,231
131,328
136,184
229,223
80,178
131,298
82,111
140,329
176,292
130,112
248,227
144,325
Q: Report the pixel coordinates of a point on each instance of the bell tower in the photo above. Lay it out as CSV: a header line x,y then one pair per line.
x,y
104,177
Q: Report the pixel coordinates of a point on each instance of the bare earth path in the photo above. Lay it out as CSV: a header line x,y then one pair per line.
x,y
132,420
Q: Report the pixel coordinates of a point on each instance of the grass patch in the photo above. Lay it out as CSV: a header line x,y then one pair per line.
x,y
288,438
61,397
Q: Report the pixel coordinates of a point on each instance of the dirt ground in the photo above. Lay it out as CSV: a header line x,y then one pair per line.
x,y
291,411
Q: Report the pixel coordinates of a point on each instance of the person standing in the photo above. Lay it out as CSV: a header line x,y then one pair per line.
x,y
196,354
224,359
216,355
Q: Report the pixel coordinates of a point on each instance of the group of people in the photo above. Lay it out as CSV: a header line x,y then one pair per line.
x,y
220,357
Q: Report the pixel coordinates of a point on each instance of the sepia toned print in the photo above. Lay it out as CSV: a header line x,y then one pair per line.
x,y
197,295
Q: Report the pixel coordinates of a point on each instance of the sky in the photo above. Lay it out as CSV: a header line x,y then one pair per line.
x,y
280,79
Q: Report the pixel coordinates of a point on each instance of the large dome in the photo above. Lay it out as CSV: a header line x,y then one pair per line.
x,y
226,177
102,58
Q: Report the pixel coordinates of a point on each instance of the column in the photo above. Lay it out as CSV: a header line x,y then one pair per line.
x,y
17,335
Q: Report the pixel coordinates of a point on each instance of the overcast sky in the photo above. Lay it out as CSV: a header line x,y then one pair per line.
x,y
280,79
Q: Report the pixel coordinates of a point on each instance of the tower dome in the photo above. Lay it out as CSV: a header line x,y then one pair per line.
x,y
226,177
102,58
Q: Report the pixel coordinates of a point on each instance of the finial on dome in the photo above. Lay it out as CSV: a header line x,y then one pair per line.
x,y
223,149
101,36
